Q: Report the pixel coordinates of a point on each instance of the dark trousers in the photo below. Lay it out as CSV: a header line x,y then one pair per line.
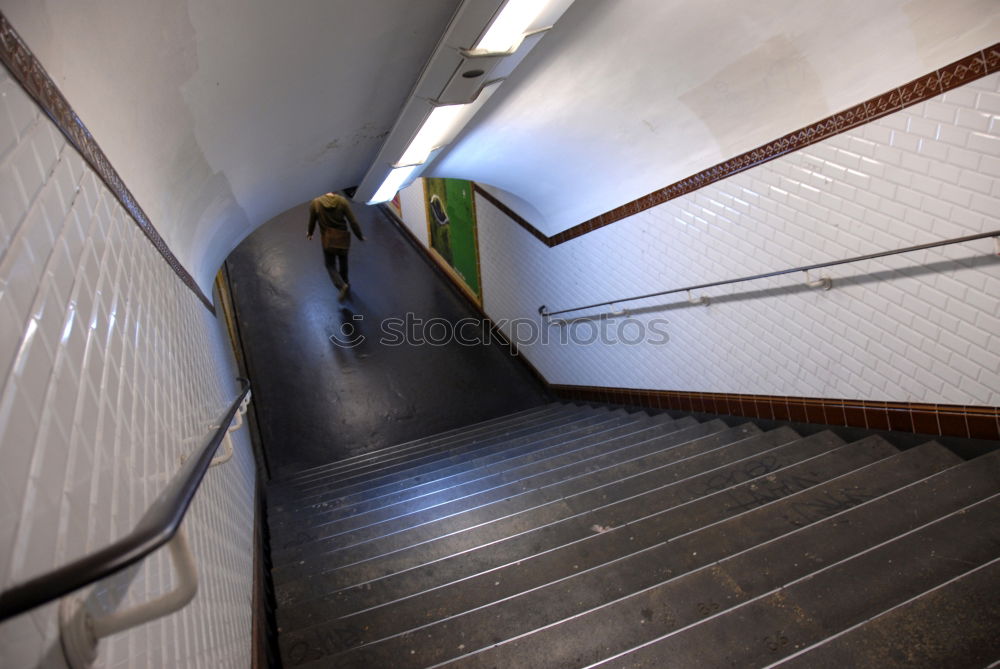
x,y
336,265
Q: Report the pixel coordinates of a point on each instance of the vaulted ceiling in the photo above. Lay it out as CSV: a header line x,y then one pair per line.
x,y
221,114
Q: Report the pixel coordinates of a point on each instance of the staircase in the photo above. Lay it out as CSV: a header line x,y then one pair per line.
x,y
579,536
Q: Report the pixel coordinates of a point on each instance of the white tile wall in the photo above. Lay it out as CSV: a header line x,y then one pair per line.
x,y
923,327
111,370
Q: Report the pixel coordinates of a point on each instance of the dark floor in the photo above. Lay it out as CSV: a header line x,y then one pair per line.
x,y
317,401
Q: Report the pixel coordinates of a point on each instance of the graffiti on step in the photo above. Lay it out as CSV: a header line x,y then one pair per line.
x,y
825,504
735,475
803,510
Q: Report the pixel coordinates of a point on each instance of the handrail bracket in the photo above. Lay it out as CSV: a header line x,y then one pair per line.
x,y
81,631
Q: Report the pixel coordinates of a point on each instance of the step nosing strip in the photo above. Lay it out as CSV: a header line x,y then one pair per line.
x,y
540,527
578,437
547,485
442,453
737,516
802,579
413,443
481,434
586,491
604,506
721,561
317,490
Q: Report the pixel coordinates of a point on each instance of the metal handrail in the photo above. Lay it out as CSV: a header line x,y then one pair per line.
x,y
156,527
805,268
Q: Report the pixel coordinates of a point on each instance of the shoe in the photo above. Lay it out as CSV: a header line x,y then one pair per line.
x,y
343,292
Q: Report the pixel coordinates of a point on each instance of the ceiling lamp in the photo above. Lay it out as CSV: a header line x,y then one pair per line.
x,y
455,83
509,27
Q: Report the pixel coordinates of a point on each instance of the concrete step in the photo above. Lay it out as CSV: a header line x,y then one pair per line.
x,y
782,541
439,464
389,463
614,481
526,454
546,605
836,597
415,445
333,535
474,529
591,450
593,537
952,625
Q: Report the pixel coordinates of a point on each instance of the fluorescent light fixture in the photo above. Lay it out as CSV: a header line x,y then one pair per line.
x,y
508,28
441,127
397,177
433,133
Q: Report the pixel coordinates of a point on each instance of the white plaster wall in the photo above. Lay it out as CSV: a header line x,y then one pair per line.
x,y
111,370
923,327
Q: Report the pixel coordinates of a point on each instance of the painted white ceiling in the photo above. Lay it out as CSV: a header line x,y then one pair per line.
x,y
221,114
627,96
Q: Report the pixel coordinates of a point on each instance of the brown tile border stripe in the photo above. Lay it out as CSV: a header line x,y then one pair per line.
x,y
37,83
923,88
934,419
977,422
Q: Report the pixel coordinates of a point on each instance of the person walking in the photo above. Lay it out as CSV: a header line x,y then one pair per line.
x,y
334,215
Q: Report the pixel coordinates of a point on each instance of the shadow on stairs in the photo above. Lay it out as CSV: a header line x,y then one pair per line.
x,y
580,536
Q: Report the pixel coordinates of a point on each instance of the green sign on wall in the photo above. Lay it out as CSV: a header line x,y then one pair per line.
x,y
451,222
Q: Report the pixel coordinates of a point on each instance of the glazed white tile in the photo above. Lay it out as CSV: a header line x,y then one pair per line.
x,y
112,369
921,327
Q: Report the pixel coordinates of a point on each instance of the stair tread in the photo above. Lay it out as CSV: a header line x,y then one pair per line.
x,y
306,474
828,601
516,455
606,480
571,595
693,506
761,550
416,547
413,465
576,451
585,535
953,625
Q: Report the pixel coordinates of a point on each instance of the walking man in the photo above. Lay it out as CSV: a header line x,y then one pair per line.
x,y
334,215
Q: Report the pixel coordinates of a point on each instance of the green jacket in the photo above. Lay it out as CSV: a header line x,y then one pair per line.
x,y
334,215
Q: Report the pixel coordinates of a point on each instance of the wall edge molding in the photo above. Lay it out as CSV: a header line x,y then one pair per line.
x,y
36,82
974,66
954,420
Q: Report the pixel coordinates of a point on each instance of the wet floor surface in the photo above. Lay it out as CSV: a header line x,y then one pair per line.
x,y
318,400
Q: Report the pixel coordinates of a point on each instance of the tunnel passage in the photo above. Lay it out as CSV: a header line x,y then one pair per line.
x,y
329,380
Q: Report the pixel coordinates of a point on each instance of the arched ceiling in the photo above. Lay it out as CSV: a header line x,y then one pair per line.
x,y
221,114
623,98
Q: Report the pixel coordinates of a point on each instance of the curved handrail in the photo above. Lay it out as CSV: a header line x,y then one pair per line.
x,y
156,527
543,310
